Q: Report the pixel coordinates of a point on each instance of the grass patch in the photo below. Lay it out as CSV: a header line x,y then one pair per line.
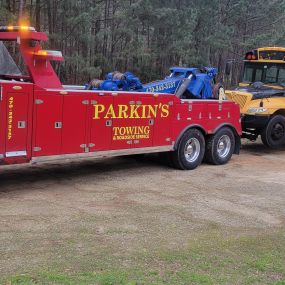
x,y
208,260
104,278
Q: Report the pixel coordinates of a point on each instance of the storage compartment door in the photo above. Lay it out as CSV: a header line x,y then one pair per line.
x,y
123,123
100,127
47,124
17,104
2,123
74,128
148,111
162,123
218,113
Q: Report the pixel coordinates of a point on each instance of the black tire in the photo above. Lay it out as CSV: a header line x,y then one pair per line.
x,y
220,147
190,151
273,135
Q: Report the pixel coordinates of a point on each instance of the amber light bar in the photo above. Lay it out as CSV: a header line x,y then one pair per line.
x,y
48,53
17,29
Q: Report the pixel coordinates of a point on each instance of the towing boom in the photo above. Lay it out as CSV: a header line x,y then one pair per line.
x,y
184,82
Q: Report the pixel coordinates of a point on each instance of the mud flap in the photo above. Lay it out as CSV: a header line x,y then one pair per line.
x,y
237,144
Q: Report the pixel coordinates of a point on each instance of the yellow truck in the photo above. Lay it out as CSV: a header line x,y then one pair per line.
x,y
261,95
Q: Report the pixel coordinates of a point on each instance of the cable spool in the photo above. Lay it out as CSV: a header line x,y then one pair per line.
x,y
118,75
95,83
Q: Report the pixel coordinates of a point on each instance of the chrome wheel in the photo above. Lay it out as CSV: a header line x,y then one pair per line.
x,y
192,150
224,146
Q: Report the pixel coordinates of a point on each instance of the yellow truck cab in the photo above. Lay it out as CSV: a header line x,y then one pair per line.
x,y
261,95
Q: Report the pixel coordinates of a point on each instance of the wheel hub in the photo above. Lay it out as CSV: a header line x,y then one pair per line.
x,y
192,150
224,146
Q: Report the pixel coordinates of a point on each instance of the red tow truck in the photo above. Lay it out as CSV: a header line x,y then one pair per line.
x,y
42,120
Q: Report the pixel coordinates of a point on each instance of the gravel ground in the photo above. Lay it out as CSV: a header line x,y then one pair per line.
x,y
53,212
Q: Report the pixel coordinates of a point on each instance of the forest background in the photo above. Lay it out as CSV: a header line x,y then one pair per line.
x,y
147,37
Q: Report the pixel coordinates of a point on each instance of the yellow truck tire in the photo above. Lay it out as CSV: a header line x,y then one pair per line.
x,y
273,135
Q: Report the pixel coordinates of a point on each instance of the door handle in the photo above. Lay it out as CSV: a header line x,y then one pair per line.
x,y
151,122
109,123
58,125
21,125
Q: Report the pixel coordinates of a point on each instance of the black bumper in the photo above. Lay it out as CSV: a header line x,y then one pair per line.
x,y
257,122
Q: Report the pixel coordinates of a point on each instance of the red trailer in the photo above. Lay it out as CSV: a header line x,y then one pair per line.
x,y
42,120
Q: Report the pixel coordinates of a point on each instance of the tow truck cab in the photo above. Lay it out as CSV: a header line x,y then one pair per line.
x,y
19,82
42,120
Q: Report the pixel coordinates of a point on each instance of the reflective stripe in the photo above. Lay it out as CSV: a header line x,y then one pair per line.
x,y
16,153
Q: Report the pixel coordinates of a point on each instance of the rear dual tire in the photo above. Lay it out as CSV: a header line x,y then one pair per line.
x,y
192,149
220,147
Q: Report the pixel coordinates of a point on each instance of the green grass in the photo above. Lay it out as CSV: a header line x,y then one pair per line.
x,y
211,258
106,278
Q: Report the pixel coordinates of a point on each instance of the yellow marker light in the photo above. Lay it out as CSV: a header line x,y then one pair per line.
x,y
42,52
10,28
24,28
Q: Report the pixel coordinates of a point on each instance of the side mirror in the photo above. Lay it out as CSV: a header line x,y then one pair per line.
x,y
228,68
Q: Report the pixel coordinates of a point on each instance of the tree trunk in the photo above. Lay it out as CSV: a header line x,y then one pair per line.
x,y
38,15
21,8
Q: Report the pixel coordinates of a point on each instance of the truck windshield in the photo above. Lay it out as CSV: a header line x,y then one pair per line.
x,y
267,73
7,63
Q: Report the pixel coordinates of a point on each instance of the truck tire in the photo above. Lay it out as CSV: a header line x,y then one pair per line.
x,y
273,135
190,151
220,147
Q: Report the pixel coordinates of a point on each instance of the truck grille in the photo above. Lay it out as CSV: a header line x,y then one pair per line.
x,y
239,99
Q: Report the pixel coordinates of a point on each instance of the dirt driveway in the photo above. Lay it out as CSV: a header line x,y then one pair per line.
x,y
120,213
